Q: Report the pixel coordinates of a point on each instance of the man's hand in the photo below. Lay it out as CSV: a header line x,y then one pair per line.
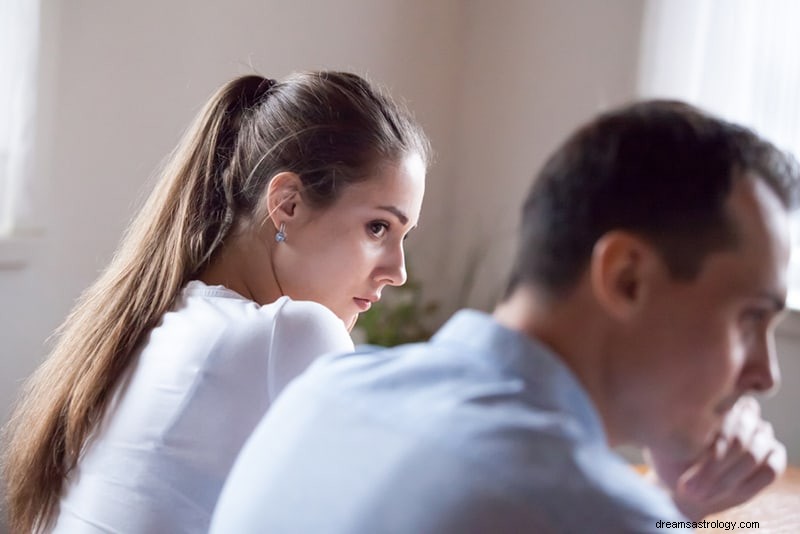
x,y
744,458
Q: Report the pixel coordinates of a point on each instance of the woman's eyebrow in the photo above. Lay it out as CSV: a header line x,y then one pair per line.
x,y
396,212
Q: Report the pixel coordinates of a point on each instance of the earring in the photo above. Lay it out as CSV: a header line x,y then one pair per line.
x,y
280,237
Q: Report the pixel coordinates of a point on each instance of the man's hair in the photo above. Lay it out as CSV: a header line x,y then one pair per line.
x,y
659,169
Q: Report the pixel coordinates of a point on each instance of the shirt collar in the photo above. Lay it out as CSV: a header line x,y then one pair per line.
x,y
550,384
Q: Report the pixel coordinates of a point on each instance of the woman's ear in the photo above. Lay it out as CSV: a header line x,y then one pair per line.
x,y
621,267
282,198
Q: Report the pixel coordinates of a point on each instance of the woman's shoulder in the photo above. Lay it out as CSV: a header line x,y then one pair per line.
x,y
305,312
290,318
303,332
303,319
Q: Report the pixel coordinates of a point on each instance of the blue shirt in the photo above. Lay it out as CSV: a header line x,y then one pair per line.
x,y
480,430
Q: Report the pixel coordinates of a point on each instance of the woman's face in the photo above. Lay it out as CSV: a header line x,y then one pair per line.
x,y
343,256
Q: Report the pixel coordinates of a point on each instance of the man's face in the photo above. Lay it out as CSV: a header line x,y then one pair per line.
x,y
698,346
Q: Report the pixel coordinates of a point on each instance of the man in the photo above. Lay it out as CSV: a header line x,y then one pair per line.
x,y
650,274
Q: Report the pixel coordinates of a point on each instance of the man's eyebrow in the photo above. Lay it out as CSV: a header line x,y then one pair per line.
x,y
396,212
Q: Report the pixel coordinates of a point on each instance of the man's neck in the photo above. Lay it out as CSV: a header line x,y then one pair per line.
x,y
573,329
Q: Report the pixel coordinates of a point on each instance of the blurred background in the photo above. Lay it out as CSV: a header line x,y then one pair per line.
x,y
108,87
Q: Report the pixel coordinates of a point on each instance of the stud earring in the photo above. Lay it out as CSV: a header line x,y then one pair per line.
x,y
280,237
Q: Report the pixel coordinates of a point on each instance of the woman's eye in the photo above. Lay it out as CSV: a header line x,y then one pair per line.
x,y
378,228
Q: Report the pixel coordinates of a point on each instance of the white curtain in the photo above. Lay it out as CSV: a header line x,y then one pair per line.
x,y
19,40
739,59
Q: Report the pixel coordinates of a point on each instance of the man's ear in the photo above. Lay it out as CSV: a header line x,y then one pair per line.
x,y
283,197
621,269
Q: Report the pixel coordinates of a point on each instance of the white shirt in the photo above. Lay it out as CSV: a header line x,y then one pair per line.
x,y
202,380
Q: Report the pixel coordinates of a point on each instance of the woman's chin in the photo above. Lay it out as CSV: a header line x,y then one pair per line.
x,y
351,322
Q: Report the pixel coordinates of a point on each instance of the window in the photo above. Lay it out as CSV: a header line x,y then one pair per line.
x,y
19,38
736,58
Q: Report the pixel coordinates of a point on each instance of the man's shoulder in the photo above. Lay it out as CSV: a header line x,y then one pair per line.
x,y
571,489
441,426
484,425
612,494
448,401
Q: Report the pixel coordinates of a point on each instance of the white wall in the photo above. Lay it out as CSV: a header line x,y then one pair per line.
x,y
495,88
124,78
531,72
130,76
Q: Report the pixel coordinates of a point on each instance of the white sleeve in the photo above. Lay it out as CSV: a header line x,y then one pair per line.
x,y
302,331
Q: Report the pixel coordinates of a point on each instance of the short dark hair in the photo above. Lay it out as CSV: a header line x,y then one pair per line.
x,y
661,169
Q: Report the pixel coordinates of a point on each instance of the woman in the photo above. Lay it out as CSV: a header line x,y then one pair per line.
x,y
280,217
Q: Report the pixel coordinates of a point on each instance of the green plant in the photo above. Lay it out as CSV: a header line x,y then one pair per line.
x,y
401,317
404,316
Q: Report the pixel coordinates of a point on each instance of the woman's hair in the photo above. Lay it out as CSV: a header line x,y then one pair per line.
x,y
331,128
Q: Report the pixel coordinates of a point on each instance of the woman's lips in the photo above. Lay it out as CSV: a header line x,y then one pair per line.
x,y
363,304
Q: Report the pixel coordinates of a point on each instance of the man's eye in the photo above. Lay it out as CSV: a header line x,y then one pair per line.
x,y
756,315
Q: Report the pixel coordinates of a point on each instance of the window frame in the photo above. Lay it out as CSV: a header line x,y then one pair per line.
x,y
20,223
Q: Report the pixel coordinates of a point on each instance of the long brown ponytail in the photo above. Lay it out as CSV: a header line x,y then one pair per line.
x,y
329,127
